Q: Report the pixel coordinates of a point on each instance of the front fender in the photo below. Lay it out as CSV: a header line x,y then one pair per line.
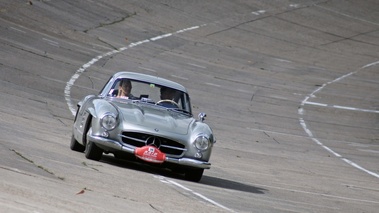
x,y
100,107
97,110
199,128
90,111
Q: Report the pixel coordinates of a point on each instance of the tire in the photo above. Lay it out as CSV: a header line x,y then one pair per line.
x,y
194,174
92,151
75,146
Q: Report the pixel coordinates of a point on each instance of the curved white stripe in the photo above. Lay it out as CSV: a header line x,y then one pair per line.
x,y
167,181
77,74
309,132
70,83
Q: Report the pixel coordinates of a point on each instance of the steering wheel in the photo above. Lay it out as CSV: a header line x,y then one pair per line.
x,y
168,101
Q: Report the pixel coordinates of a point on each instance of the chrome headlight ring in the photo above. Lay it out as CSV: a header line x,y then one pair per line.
x,y
202,142
108,121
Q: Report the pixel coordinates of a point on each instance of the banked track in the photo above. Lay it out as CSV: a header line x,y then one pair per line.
x,y
266,73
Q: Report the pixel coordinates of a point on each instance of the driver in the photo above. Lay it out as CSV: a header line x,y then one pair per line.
x,y
167,93
124,89
167,96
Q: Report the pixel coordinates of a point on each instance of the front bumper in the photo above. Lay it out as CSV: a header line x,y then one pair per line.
x,y
115,145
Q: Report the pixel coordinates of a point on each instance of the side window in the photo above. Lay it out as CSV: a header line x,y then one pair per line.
x,y
114,89
180,101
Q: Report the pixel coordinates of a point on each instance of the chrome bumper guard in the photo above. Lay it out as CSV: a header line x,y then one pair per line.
x,y
129,149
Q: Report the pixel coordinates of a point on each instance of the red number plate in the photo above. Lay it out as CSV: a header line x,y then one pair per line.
x,y
150,154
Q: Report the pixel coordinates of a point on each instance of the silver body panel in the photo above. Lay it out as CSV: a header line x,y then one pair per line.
x,y
143,123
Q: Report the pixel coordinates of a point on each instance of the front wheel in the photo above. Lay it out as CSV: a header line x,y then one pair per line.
x,y
92,151
193,174
75,146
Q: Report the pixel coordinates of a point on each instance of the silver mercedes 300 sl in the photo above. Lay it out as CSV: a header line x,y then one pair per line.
x,y
147,118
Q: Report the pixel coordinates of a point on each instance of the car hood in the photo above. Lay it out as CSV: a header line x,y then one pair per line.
x,y
154,118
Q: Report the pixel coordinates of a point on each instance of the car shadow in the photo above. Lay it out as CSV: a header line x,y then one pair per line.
x,y
206,180
228,184
138,166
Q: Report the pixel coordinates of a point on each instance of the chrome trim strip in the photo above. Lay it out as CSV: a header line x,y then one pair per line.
x,y
173,147
129,149
135,139
189,162
142,141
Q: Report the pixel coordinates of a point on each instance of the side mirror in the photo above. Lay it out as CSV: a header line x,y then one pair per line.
x,y
202,116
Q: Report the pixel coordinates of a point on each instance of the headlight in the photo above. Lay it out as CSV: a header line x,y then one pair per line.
x,y
202,142
108,121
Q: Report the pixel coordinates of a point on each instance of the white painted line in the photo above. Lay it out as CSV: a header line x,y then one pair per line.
x,y
309,132
342,77
190,28
283,60
70,83
370,65
361,168
161,36
305,100
54,43
319,194
195,65
327,148
259,12
341,107
176,184
18,30
300,111
294,5
215,85
318,89
136,44
314,103
304,125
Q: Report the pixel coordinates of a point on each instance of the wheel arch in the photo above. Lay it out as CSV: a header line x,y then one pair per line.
x,y
86,128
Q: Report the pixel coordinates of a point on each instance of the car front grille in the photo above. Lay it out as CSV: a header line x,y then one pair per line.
x,y
165,145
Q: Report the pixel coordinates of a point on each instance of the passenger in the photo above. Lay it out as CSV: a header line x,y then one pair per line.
x,y
167,96
124,89
167,93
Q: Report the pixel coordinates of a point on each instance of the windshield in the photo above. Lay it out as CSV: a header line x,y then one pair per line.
x,y
150,93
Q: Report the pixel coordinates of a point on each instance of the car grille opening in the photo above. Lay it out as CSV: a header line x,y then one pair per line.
x,y
165,145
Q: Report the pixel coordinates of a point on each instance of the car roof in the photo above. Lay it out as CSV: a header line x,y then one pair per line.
x,y
150,78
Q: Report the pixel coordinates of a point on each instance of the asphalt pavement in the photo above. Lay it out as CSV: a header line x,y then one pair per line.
x,y
290,88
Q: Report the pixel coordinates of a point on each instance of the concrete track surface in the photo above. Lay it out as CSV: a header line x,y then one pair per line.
x,y
290,87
